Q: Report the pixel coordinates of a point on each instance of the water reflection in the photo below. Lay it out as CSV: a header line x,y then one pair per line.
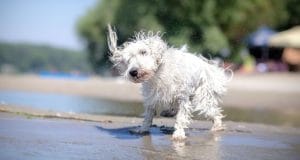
x,y
208,146
201,143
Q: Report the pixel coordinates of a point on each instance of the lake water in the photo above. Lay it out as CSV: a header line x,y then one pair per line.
x,y
70,103
80,104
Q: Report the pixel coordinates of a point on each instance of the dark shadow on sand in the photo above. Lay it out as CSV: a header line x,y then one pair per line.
x,y
124,133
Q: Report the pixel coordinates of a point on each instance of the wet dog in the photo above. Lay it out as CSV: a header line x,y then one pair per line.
x,y
171,78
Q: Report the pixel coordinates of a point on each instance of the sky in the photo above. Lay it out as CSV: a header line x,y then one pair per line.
x,y
47,22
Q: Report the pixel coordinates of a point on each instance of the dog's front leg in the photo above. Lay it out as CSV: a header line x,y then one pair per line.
x,y
144,129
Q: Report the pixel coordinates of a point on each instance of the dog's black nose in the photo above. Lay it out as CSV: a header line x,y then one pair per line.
x,y
133,73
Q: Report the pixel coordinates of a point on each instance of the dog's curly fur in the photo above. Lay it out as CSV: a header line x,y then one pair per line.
x,y
171,78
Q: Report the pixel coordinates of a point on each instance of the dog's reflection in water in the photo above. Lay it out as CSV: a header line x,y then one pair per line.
x,y
200,144
207,146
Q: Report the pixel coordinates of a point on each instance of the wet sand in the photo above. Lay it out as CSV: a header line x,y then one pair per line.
x,y
30,137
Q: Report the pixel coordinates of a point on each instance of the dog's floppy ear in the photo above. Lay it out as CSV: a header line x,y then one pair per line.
x,y
112,39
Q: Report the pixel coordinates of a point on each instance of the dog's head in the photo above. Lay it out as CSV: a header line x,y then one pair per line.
x,y
138,59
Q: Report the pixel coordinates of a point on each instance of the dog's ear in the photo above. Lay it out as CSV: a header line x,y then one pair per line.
x,y
112,39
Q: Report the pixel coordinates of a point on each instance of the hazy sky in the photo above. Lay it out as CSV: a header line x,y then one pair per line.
x,y
51,22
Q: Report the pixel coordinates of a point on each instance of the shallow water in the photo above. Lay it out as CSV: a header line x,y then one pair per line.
x,y
70,103
22,138
81,104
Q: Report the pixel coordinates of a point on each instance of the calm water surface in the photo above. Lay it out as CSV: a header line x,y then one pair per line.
x,y
70,103
80,104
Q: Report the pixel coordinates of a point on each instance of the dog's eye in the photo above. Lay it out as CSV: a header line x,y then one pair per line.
x,y
143,52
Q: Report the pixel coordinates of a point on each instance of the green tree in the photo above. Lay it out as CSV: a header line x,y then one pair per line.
x,y
207,26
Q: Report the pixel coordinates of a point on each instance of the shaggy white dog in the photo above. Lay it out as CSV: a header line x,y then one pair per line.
x,y
171,78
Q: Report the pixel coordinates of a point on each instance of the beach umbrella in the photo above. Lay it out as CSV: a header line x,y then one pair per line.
x,y
286,39
257,43
260,37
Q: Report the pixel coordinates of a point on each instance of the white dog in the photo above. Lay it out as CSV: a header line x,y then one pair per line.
x,y
171,78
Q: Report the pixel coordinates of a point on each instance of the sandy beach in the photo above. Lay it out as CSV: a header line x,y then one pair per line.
x,y
115,89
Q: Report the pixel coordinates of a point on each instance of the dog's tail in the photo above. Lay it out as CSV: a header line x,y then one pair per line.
x,y
216,77
218,66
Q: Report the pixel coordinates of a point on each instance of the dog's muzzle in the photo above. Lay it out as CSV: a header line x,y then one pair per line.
x,y
140,75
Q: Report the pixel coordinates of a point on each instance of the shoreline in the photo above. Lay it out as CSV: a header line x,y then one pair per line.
x,y
129,120
268,91
235,115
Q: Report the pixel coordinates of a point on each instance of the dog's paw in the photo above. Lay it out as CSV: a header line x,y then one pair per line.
x,y
139,131
178,138
178,135
216,128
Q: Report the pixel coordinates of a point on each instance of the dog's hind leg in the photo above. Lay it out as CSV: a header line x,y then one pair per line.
x,y
183,119
206,103
216,116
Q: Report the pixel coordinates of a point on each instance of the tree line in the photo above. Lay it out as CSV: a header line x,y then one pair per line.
x,y
37,58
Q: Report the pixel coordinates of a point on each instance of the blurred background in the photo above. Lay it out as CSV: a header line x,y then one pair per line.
x,y
54,56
